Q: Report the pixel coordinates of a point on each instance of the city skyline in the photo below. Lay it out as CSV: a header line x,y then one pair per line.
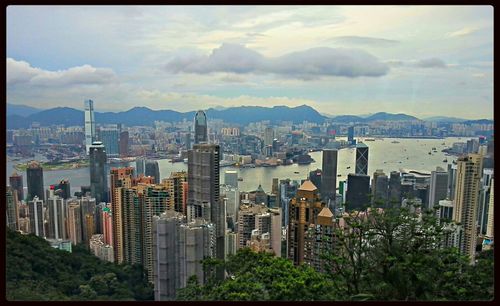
x,y
177,58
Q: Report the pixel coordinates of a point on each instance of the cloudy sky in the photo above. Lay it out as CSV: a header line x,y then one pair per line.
x,y
420,60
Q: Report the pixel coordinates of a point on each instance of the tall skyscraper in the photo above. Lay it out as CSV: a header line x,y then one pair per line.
x,y
438,187
176,185
268,136
98,181
200,127
231,178
110,138
16,182
329,174
74,222
107,226
11,209
452,173
380,184
37,216
358,190
361,159
466,201
124,140
152,169
484,200
178,249
395,187
90,135
34,178
140,166
490,227
315,177
203,190
350,134
63,189
57,217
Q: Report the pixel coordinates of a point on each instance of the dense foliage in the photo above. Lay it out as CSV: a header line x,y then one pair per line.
x,y
36,271
390,255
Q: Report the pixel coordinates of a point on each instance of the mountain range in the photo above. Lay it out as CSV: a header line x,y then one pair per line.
x,y
21,116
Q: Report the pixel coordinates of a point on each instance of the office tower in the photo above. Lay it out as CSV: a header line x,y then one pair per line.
x,y
107,226
140,166
484,200
97,165
231,246
380,184
276,231
231,178
178,249
260,195
98,217
110,139
37,216
358,191
315,177
275,186
231,196
329,174
361,159
203,191
176,185
408,185
395,187
152,169
200,127
350,134
90,135
438,187
34,178
124,140
63,189
187,140
87,214
305,209
466,201
268,136
16,182
490,227
11,209
57,217
74,222
452,171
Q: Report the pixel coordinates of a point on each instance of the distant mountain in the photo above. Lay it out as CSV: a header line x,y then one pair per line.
x,y
145,116
479,121
21,110
444,119
390,117
348,118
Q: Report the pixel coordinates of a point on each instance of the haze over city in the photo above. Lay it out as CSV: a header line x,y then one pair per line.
x,y
419,60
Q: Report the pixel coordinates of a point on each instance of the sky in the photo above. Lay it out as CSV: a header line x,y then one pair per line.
x,y
419,60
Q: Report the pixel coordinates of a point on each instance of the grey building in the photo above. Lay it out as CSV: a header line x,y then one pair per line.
x,y
140,166
110,137
57,217
37,210
395,187
438,187
361,159
98,179
152,169
200,127
11,209
178,249
358,191
231,178
34,178
90,135
452,172
380,188
16,182
329,174
315,177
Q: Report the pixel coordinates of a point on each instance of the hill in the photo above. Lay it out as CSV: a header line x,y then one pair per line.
x,y
36,271
21,110
445,119
390,117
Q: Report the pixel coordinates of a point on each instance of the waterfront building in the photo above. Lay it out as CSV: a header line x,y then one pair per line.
x,y
395,187
358,191
97,166
380,184
315,177
90,134
329,174
361,159
438,187
34,178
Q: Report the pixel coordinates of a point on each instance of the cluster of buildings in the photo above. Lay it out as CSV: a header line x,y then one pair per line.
x,y
128,215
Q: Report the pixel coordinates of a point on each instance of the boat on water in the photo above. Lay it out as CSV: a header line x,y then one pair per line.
x,y
349,167
240,179
339,174
185,160
296,172
430,153
445,160
394,141
369,139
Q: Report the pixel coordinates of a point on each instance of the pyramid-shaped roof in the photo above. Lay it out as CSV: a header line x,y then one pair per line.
x,y
325,212
308,186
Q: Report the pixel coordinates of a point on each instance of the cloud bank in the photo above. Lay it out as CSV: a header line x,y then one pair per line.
x,y
306,64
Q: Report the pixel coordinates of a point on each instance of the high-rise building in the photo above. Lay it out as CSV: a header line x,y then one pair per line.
x,y
87,211
380,183
361,159
490,228
358,191
34,178
484,200
90,135
37,216
12,211
178,249
200,127
466,201
57,217
268,136
452,172
231,178
98,181
395,187
329,174
63,189
16,182
315,177
110,139
107,226
350,134
74,222
176,185
140,166
152,169
438,187
124,139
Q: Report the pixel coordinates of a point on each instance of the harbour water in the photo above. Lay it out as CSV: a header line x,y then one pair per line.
x,y
407,153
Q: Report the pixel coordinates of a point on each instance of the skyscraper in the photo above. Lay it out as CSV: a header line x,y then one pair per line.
x,y
466,201
329,174
176,185
203,190
395,187
438,187
34,177
110,139
315,177
90,135
361,159
490,227
484,200
200,127
11,209
231,178
16,182
57,217
37,217
152,169
350,134
268,136
140,166
74,222
380,185
124,138
358,190
98,181
63,189
107,226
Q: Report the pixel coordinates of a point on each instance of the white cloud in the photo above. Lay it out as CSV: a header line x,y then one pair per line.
x,y
22,72
463,32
